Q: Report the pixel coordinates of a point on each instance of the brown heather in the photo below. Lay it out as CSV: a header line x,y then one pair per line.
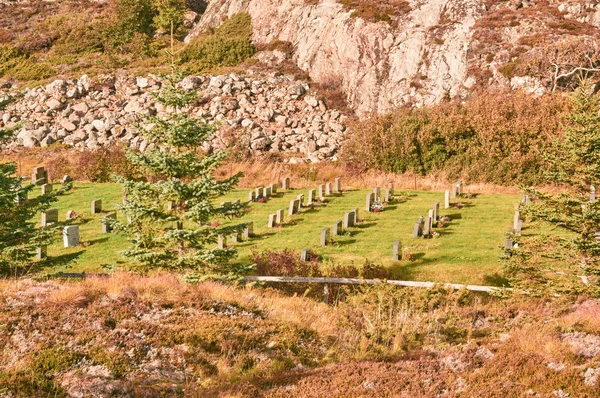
x,y
131,335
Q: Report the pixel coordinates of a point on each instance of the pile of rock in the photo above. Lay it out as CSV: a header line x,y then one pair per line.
x,y
268,113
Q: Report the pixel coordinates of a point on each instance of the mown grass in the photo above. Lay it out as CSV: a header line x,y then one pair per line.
x,y
466,251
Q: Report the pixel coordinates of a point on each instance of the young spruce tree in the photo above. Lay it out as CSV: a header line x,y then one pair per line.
x,y
574,164
170,211
19,235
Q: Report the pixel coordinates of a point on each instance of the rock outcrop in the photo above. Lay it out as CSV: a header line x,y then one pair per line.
x,y
258,113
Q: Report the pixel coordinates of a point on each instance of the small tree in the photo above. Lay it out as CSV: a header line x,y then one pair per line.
x,y
19,235
131,23
574,163
170,211
169,15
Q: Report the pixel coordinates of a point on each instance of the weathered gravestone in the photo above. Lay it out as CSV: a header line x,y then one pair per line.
x,y
348,219
265,192
430,217
96,206
285,183
516,218
369,201
337,228
271,223
106,227
337,185
46,189
417,230
328,188
297,205
320,193
41,252
301,199
397,255
436,210
305,255
71,236
258,192
292,208
49,216
377,193
279,216
66,180
324,237
39,176
386,198
311,195
508,243
70,214
453,192
235,237
273,187
221,242
249,229
355,211
447,199
251,196
427,227
391,187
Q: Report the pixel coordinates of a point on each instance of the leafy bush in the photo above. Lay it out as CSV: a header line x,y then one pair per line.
x,y
284,263
98,165
229,45
131,22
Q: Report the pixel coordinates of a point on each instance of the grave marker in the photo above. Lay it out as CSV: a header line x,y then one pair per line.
x,y
221,242
297,205
311,194
377,193
273,188
447,199
66,180
41,252
430,217
427,227
453,192
249,229
305,255
386,198
337,228
436,210
397,255
369,201
271,223
70,215
336,185
355,211
516,219
348,219
417,230
292,208
71,236
251,196
320,191
391,187
301,199
96,206
279,216
46,189
285,183
258,192
508,243
235,237
39,176
265,192
49,216
324,237
106,228
328,188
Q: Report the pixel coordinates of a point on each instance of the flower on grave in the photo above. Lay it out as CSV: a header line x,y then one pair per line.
x,y
435,234
445,219
376,207
214,224
261,200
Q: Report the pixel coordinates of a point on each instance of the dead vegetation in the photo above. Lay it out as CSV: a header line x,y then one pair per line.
x,y
149,336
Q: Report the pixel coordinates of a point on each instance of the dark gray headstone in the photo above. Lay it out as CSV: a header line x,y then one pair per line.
x,y
251,196
71,236
305,255
348,219
397,255
369,200
427,227
46,189
377,193
249,230
272,218
96,206
50,216
337,228
417,230
324,237
279,216
285,183
106,228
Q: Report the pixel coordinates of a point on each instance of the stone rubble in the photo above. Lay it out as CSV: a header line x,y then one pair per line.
x,y
267,113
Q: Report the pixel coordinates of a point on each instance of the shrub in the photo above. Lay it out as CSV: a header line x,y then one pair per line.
x,y
131,21
284,263
99,164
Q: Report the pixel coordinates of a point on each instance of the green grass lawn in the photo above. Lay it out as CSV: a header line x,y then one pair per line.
x,y
466,251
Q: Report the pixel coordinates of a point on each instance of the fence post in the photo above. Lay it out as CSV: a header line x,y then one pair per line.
x,y
326,293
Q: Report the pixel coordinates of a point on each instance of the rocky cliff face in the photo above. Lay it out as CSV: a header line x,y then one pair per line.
x,y
435,50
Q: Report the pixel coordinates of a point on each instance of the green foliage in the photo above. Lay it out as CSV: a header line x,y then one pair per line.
x,y
169,12
176,238
573,162
16,64
228,45
19,236
131,24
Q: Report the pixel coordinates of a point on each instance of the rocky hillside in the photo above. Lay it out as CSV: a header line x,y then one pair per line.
x,y
255,114
390,53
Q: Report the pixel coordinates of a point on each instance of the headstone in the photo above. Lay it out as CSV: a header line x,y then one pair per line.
x,y
328,188
369,200
279,216
391,187
259,192
386,198
427,227
420,220
266,192
453,192
70,215
38,177
348,219
272,218
459,190
21,197
292,208
96,206
592,194
320,193
297,206
41,252
447,199
516,218
251,196
337,228
71,236
221,242
519,227
249,229
305,255
355,211
46,189
311,195
235,237
301,199
430,217
285,183
66,180
337,186
436,210
236,202
124,196
508,243
377,193
106,228
417,230
49,216
397,251
324,236
171,205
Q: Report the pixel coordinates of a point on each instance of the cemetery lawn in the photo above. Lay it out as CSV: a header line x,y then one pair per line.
x,y
467,249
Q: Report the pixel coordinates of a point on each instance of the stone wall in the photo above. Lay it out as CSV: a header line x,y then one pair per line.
x,y
266,113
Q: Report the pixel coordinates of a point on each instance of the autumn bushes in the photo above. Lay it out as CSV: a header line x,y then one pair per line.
x,y
496,137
